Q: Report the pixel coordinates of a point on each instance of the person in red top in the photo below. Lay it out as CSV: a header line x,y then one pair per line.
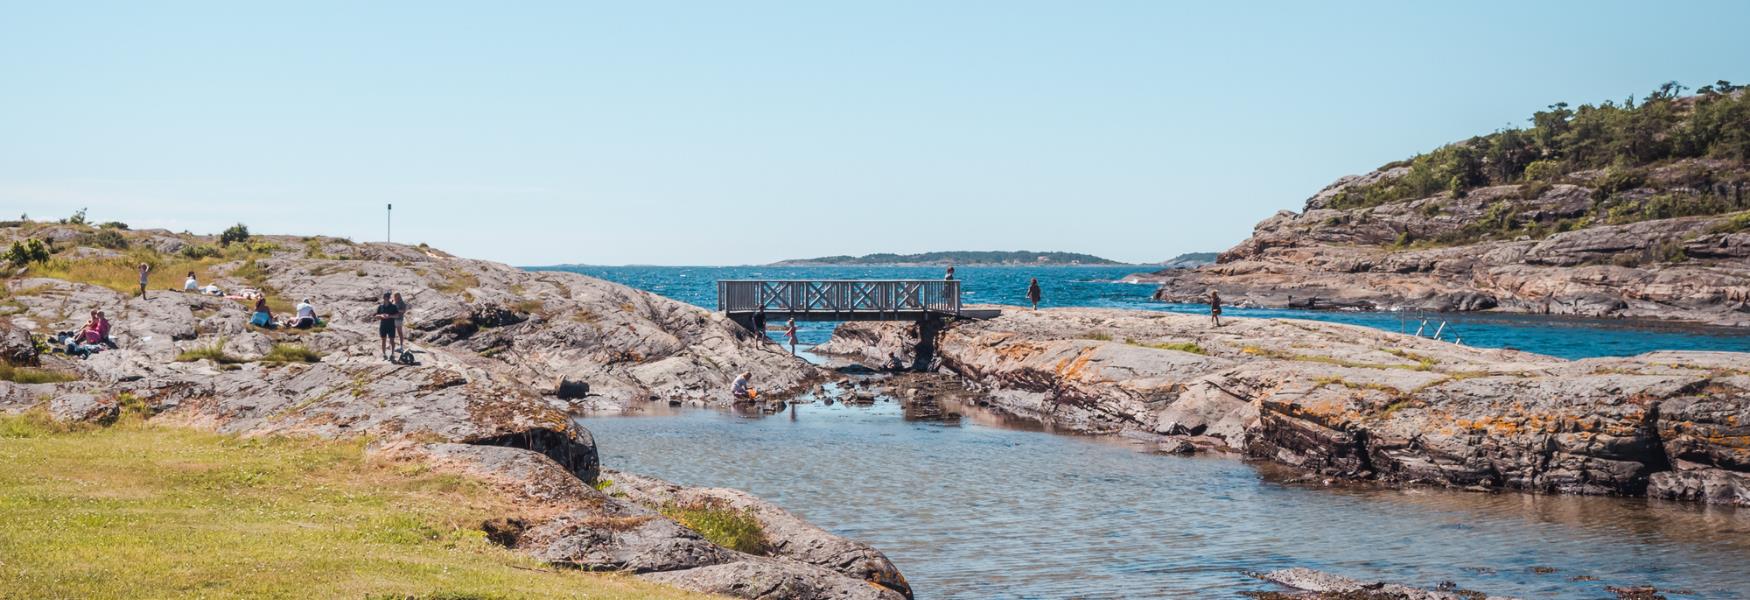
x,y
96,330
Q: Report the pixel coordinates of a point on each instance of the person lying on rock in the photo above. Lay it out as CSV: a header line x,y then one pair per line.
x,y
387,316
740,388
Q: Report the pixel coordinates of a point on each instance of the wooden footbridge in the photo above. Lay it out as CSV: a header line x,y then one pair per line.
x,y
929,303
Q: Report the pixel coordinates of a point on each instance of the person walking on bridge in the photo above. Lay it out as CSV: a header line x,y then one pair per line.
x,y
1033,292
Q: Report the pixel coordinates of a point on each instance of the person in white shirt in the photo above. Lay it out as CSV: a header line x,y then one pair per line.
x,y
212,289
190,285
740,389
306,315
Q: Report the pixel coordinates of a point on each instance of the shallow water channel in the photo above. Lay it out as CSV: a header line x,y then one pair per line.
x,y
980,509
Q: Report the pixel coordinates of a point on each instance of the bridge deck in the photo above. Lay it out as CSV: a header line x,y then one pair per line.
x,y
843,299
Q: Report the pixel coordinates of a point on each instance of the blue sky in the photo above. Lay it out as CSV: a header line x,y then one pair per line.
x,y
748,132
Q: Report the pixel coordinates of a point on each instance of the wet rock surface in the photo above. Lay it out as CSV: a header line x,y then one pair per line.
x,y
1311,584
1355,403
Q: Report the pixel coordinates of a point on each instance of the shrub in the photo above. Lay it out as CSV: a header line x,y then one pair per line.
x,y
27,252
108,238
1543,170
733,529
113,225
78,218
236,233
199,251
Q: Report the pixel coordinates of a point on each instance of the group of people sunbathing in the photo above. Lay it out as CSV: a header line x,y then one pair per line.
x,y
92,337
304,316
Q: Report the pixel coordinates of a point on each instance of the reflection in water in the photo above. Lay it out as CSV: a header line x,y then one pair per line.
x,y
974,510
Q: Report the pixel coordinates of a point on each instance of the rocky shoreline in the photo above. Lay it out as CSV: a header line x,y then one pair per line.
x,y
1334,256
1353,403
493,344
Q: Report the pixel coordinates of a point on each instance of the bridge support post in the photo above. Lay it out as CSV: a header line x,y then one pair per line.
x,y
929,328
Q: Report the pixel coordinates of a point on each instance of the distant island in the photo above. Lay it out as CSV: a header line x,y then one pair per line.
x,y
1190,260
956,257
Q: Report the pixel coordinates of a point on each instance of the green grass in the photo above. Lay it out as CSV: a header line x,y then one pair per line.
x,y
215,353
291,353
733,529
33,375
1735,223
1191,347
140,511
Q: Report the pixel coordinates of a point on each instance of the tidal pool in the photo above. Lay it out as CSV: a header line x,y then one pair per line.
x,y
979,509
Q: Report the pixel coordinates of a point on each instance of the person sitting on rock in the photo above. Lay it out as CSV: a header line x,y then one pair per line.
x,y
740,389
263,317
190,285
387,314
96,331
306,317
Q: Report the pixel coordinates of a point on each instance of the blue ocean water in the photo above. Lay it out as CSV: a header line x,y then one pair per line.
x,y
1102,287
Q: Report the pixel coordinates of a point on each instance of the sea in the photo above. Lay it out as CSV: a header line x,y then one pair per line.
x,y
1106,287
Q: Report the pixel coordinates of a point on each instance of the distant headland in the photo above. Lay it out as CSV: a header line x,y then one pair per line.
x,y
956,257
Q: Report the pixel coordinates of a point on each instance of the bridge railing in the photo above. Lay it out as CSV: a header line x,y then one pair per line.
x,y
839,296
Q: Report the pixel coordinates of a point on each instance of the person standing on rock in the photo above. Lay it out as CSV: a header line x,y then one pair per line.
x,y
1215,308
400,319
386,315
790,333
144,269
1033,292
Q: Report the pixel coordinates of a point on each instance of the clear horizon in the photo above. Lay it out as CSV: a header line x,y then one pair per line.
x,y
707,134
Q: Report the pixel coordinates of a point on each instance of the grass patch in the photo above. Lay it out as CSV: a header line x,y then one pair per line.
x,y
215,353
1191,347
454,282
291,353
530,307
33,375
122,273
1735,223
1331,360
1423,363
733,529
143,511
1100,336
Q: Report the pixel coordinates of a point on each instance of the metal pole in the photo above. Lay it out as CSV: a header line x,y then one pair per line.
x,y
388,222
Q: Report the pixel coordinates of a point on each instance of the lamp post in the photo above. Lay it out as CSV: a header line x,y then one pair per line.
x,y
388,222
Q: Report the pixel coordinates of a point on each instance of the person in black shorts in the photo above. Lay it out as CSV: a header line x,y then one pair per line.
x,y
387,314
1215,308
